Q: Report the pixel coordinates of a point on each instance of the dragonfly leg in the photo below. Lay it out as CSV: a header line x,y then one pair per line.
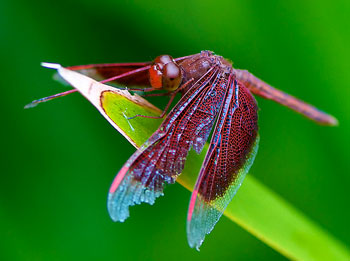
x,y
45,99
148,89
156,94
261,88
163,113
172,96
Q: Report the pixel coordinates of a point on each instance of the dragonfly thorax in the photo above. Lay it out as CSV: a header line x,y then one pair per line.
x,y
196,66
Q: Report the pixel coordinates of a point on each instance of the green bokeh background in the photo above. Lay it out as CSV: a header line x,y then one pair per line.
x,y
59,159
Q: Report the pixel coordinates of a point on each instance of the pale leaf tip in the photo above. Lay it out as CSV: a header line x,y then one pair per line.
x,y
51,65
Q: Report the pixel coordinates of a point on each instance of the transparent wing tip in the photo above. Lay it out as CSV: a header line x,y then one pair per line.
x,y
202,222
195,237
114,211
129,193
195,244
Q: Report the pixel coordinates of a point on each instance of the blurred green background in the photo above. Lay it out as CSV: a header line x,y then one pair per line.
x,y
59,158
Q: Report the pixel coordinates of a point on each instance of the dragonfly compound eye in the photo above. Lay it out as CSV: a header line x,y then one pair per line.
x,y
172,76
156,76
165,73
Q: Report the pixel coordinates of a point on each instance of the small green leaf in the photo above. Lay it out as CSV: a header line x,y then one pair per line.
x,y
256,208
117,108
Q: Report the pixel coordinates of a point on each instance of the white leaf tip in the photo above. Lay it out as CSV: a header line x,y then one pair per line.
x,y
51,65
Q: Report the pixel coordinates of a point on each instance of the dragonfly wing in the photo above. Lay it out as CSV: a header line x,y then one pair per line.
x,y
161,159
136,74
231,152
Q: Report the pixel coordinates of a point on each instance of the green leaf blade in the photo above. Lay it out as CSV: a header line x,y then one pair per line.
x,y
280,225
255,208
117,108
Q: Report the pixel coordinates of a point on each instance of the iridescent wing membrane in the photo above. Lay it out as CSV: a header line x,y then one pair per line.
x,y
161,159
231,152
129,74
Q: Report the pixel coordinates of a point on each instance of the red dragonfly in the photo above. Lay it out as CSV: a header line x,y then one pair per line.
x,y
213,93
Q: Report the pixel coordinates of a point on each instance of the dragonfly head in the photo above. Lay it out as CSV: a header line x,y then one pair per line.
x,y
165,73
